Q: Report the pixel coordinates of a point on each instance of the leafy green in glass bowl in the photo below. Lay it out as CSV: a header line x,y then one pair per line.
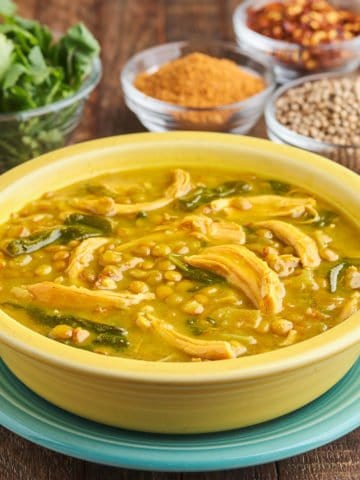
x,y
44,85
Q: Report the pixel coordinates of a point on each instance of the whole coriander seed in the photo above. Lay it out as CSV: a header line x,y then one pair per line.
x,y
326,110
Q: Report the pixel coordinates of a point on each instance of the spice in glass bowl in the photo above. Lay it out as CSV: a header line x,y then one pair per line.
x,y
309,24
200,81
327,110
159,83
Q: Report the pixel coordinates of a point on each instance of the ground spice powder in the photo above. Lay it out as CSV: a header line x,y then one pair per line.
x,y
199,81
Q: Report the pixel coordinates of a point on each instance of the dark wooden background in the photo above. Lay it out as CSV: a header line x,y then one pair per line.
x,y
124,27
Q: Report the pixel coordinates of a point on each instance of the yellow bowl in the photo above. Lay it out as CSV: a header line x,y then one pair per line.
x,y
179,397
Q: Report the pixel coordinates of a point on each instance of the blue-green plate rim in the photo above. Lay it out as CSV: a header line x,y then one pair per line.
x,y
331,416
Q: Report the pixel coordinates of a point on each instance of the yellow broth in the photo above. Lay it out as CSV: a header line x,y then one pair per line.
x,y
140,257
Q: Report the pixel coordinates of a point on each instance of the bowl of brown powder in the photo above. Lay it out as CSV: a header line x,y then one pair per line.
x,y
320,113
196,86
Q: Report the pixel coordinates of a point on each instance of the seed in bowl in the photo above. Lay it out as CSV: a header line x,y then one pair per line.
x,y
327,110
230,293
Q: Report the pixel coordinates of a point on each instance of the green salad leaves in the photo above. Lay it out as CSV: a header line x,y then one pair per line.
x,y
37,70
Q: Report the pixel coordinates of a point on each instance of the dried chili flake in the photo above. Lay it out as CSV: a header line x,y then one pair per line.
x,y
309,24
305,22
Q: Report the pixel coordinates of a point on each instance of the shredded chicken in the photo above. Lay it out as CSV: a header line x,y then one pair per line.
x,y
223,231
82,256
94,204
284,265
350,306
290,339
181,186
325,252
60,296
246,271
352,277
266,206
304,245
204,349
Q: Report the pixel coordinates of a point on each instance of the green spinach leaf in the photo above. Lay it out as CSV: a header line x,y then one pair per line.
x,y
36,70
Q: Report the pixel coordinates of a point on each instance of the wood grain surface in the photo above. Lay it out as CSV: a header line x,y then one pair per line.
x,y
124,27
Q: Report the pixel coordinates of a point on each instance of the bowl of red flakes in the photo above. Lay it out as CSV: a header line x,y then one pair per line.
x,y
300,37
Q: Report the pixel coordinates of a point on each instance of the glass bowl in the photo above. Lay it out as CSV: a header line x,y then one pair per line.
x,y
28,134
347,155
289,60
157,115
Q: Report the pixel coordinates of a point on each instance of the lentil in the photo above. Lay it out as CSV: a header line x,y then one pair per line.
x,y
209,290
174,299
61,255
110,257
139,274
201,298
60,279
154,277
136,286
59,265
142,250
72,244
43,270
163,291
61,332
165,265
147,265
184,286
161,250
173,276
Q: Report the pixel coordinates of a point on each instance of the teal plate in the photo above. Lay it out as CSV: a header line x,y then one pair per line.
x,y
334,414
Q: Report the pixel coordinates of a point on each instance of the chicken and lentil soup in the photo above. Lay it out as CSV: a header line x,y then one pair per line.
x,y
179,265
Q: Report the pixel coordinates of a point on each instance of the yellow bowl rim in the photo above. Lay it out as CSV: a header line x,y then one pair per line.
x,y
25,341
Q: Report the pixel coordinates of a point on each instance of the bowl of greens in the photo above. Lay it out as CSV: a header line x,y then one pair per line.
x,y
45,81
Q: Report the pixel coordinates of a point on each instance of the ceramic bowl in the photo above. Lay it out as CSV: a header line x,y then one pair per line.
x,y
180,397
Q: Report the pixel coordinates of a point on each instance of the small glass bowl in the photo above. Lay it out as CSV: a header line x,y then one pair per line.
x,y
289,60
158,116
347,155
28,134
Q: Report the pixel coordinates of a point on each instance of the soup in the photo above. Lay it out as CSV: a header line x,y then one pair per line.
x,y
181,265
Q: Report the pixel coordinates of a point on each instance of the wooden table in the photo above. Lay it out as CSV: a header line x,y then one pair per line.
x,y
124,27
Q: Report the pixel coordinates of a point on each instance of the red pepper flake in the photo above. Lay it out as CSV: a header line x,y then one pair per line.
x,y
307,16
309,24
